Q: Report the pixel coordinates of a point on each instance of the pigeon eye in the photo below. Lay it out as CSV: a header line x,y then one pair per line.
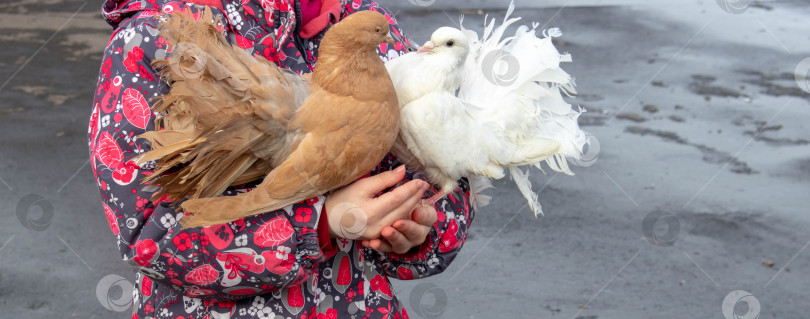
x,y
377,30
451,43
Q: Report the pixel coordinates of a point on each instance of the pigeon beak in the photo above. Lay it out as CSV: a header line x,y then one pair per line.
x,y
390,40
427,47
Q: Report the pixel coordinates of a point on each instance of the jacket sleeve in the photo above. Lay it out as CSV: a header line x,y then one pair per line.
x,y
247,257
454,210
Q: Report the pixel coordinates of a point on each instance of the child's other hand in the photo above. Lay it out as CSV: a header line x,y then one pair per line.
x,y
354,213
405,234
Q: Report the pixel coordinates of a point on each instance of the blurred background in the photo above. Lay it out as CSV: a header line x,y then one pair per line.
x,y
694,201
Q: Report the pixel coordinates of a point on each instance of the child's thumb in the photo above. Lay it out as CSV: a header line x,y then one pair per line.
x,y
424,215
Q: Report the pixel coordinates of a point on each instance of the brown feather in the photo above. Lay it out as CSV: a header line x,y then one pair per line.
x,y
216,88
243,117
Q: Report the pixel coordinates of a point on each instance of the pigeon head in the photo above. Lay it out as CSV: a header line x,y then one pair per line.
x,y
447,40
364,29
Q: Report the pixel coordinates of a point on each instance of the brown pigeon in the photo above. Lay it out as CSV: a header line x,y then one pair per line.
x,y
231,118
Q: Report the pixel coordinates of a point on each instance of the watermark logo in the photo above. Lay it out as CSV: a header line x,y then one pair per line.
x,y
661,228
190,61
801,73
428,300
740,304
500,67
106,293
352,220
32,218
590,152
734,6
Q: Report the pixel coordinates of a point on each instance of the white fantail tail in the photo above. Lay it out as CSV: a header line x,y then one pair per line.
x,y
519,86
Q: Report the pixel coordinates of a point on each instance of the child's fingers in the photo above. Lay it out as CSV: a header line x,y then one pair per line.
x,y
408,228
377,183
377,244
380,245
399,203
414,232
424,215
399,243
399,195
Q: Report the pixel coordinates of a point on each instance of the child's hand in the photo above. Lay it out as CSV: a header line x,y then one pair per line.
x,y
354,213
405,234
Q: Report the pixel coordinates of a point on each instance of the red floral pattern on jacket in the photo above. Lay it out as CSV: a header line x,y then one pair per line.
x,y
259,267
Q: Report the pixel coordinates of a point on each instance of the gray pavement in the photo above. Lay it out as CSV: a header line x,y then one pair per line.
x,y
702,127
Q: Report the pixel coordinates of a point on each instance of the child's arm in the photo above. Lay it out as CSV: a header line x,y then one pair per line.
x,y
247,257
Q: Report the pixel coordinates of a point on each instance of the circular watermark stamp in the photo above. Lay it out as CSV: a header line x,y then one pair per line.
x,y
500,67
590,152
802,74
190,60
428,300
740,304
734,6
37,219
422,3
351,220
107,293
661,228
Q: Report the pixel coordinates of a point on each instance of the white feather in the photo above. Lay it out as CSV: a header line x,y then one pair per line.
x,y
525,187
509,111
477,185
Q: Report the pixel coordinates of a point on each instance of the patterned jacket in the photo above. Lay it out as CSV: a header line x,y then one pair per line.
x,y
266,266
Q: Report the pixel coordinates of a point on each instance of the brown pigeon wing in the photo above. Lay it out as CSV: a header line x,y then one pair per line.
x,y
334,152
225,116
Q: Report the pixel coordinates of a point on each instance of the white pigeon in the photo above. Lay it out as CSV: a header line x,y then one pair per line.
x,y
471,107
